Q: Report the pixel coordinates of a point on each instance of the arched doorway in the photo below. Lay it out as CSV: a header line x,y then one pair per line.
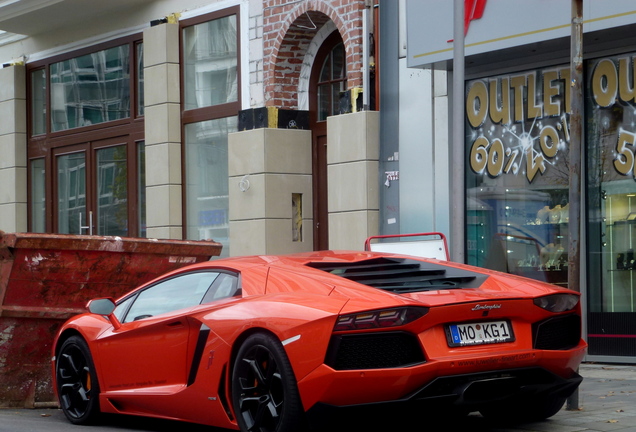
x,y
328,80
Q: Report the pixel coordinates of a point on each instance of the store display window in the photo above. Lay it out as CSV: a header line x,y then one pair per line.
x,y
611,144
517,176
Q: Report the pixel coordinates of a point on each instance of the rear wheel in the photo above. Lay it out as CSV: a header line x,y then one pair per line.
x,y
77,386
264,390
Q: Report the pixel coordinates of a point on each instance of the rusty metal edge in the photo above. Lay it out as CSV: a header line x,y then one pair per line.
x,y
207,248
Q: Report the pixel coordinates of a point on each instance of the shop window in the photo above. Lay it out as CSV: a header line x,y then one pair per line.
x,y
211,95
518,173
611,136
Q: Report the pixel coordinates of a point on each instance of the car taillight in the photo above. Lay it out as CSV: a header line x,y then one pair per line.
x,y
557,302
379,318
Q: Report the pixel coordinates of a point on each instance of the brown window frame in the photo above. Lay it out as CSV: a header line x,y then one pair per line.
x,y
215,112
49,144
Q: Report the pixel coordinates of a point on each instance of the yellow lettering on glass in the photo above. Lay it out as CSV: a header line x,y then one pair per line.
x,y
604,83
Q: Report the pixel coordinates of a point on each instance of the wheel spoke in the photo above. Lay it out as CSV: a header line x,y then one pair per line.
x,y
74,382
260,383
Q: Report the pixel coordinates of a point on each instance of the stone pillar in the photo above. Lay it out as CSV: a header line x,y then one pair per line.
x,y
353,143
13,149
270,191
163,132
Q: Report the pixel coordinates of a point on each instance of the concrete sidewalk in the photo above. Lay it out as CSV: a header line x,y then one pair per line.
x,y
607,402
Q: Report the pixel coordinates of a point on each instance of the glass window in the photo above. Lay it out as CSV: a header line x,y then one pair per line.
x,y
37,198
90,89
71,192
112,191
38,102
207,180
518,173
226,285
170,295
140,80
79,90
333,81
611,107
141,188
611,197
211,60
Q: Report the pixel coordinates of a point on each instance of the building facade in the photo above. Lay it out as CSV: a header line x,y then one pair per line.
x,y
285,126
195,120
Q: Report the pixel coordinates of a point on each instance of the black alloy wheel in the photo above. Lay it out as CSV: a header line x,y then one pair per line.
x,y
264,389
77,386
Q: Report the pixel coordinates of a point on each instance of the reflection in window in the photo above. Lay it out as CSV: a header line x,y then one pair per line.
x,y
38,202
141,187
207,180
173,294
112,191
611,198
140,80
517,198
90,89
211,61
38,102
71,193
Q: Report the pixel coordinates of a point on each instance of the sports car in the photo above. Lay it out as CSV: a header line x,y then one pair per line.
x,y
276,343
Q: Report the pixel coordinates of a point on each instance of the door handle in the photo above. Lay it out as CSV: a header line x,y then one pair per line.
x,y
89,227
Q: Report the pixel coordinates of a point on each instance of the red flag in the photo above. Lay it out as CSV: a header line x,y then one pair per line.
x,y
473,9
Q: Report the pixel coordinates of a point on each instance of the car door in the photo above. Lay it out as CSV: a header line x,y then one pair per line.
x,y
150,349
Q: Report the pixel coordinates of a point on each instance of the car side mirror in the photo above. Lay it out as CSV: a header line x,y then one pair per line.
x,y
104,306
101,306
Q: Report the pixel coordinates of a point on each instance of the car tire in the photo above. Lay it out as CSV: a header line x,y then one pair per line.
x,y
264,389
527,410
77,386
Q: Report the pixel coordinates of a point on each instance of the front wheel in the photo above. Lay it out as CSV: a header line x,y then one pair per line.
x,y
264,390
77,386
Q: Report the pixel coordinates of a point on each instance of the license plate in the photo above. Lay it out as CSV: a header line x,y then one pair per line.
x,y
479,333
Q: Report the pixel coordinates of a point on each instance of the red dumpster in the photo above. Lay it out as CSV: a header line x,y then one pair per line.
x,y
46,278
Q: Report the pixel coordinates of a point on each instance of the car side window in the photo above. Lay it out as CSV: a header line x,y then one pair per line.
x,y
226,285
179,292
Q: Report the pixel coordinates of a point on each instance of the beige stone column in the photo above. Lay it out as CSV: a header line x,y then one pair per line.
x,y
13,149
270,191
353,143
163,132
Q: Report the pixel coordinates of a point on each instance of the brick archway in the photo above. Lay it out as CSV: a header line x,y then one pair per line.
x,y
288,31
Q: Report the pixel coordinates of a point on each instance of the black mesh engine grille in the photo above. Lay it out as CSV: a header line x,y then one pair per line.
x,y
373,351
402,275
559,333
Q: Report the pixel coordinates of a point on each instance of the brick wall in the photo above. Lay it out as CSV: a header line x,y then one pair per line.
x,y
288,28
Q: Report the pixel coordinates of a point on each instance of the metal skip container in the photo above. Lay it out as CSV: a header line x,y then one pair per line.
x,y
47,278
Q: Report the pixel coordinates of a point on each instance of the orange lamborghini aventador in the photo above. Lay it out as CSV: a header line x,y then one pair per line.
x,y
272,343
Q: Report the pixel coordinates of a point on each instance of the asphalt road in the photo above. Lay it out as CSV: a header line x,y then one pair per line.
x,y
53,420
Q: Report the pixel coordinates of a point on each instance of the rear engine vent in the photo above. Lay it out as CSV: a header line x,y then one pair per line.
x,y
558,333
373,351
402,275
